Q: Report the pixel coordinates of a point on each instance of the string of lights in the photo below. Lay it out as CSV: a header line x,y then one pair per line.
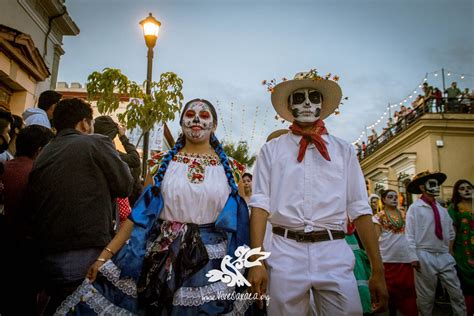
x,y
408,98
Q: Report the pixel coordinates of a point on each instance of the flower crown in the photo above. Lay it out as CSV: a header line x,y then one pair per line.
x,y
311,74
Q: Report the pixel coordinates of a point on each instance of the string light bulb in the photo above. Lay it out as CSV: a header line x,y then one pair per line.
x,y
462,76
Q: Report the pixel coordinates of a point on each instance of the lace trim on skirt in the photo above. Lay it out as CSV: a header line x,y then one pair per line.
x,y
195,296
87,294
112,273
217,251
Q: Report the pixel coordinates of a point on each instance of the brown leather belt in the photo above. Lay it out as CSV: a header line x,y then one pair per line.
x,y
309,237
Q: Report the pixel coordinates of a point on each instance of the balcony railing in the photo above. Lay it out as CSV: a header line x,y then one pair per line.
x,y
405,120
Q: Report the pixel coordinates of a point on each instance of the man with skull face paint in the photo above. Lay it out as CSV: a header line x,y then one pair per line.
x,y
430,232
306,183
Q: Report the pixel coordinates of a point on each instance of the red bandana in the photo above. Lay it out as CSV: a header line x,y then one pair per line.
x,y
438,228
313,136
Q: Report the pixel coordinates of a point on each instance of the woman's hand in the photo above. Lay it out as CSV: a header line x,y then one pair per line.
x,y
93,270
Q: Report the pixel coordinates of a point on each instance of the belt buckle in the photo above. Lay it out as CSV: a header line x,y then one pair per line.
x,y
299,237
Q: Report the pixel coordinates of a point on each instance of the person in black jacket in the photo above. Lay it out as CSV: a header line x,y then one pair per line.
x,y
73,187
105,125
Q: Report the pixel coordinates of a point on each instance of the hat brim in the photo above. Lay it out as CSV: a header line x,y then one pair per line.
x,y
277,133
414,186
330,90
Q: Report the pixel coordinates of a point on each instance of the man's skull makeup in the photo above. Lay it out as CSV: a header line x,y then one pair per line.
x,y
465,191
305,105
197,122
391,199
432,187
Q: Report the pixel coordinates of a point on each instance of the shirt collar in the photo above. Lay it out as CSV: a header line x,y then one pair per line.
x,y
296,139
68,131
420,202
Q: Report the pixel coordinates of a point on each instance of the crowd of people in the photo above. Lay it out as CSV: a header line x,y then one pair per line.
x,y
431,101
427,245
83,234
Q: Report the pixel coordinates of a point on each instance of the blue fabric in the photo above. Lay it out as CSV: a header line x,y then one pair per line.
x,y
144,214
233,221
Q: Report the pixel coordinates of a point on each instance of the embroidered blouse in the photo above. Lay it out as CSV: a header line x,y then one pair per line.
x,y
194,188
392,242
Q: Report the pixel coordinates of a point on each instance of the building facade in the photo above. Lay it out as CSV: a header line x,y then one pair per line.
x,y
426,141
31,35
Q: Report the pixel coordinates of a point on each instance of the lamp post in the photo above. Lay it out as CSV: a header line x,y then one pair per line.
x,y
151,27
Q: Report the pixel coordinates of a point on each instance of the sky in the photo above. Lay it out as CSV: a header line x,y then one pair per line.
x,y
223,49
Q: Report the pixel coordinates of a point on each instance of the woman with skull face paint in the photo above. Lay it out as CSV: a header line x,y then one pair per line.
x,y
430,232
462,213
396,255
180,228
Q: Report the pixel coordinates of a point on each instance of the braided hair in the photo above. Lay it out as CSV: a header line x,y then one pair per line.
x,y
213,141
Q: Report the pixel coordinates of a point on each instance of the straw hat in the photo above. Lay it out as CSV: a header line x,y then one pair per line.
x,y
421,178
330,90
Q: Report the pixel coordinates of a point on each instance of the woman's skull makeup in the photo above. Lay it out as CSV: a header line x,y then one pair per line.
x,y
465,191
305,105
391,199
197,122
432,187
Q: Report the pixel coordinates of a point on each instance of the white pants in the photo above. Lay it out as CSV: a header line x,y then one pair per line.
x,y
432,267
326,267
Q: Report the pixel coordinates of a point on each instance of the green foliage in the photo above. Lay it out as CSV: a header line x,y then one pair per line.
x,y
240,152
106,87
161,105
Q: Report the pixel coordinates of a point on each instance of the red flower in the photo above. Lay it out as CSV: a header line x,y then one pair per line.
x,y
175,158
213,162
185,159
264,82
198,176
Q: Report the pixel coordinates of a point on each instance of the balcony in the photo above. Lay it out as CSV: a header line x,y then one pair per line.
x,y
431,109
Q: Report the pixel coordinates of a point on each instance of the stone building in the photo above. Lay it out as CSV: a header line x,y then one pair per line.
x,y
31,40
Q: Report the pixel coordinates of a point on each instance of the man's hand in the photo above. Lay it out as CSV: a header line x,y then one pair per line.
x,y
378,292
416,265
121,129
258,277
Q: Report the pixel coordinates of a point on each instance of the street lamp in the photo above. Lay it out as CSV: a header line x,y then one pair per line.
x,y
151,28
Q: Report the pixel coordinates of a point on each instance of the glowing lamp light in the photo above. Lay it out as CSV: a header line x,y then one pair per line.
x,y
151,28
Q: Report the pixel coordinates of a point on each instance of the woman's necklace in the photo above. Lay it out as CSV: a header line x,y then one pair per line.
x,y
398,223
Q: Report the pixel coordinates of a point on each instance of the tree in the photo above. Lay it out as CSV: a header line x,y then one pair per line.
x,y
108,86
240,152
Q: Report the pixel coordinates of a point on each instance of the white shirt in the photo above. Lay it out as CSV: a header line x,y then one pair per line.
x,y
393,245
420,228
194,189
314,194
